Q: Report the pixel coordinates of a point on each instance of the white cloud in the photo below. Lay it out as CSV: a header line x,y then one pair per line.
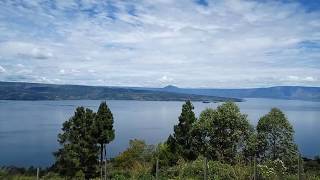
x,y
20,65
302,78
225,44
40,53
2,69
293,78
165,80
62,71
24,50
311,79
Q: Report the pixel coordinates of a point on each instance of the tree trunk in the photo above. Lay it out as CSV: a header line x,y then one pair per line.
x,y
101,160
105,163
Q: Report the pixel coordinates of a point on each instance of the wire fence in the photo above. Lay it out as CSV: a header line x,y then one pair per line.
x,y
255,174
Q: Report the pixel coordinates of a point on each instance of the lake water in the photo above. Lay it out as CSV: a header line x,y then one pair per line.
x,y
28,129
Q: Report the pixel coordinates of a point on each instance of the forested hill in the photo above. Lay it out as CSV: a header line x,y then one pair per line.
x,y
277,92
35,91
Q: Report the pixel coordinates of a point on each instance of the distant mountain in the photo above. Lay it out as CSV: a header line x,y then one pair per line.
x,y
170,87
277,92
35,91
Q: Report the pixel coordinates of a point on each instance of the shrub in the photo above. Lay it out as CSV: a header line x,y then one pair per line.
x,y
195,170
218,170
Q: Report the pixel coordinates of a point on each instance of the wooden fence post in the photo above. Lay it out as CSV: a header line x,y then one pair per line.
x,y
157,169
255,167
205,168
38,173
299,167
105,162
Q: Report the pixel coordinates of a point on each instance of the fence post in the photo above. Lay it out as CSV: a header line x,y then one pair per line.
x,y
101,163
105,162
205,168
157,169
255,168
299,167
37,173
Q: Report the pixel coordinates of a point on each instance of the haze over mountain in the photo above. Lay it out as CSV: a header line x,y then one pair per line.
x,y
36,91
277,92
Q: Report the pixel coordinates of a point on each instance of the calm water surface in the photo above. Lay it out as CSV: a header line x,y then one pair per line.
x,y
28,129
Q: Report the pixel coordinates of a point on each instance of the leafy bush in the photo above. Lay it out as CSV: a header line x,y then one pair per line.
x,y
195,170
218,170
266,172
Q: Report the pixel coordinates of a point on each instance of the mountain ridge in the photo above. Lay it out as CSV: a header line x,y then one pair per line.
x,y
276,92
38,91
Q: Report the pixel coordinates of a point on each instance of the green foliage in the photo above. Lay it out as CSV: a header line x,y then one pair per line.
x,y
242,171
134,163
312,166
78,154
218,170
137,156
275,136
165,155
200,133
251,146
102,129
52,176
272,170
222,133
275,169
195,170
15,173
266,172
182,132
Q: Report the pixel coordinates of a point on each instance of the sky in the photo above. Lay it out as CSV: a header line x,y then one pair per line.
x,y
154,43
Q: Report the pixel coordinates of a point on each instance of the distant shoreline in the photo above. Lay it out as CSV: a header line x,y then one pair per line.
x,y
35,92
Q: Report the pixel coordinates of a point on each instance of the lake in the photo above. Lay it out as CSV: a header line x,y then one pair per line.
x,y
28,129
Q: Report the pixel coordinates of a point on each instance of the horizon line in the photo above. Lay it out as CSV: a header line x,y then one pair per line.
x,y
175,86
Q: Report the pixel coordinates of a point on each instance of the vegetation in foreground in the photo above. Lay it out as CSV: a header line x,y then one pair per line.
x,y
144,169
220,144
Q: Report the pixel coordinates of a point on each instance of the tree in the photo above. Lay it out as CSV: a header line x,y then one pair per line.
x,y
103,130
182,132
171,142
137,155
275,136
224,132
251,146
200,134
165,156
78,154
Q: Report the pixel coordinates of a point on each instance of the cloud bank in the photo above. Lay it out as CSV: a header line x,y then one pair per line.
x,y
234,43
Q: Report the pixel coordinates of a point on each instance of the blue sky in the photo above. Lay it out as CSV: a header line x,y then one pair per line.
x,y
188,43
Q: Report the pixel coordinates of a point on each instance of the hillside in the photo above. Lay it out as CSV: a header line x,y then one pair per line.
x,y
34,91
277,92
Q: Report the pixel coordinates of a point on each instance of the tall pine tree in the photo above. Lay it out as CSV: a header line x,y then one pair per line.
x,y
78,155
103,130
182,132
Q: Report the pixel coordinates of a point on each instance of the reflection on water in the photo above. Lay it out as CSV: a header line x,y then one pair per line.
x,y
28,129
